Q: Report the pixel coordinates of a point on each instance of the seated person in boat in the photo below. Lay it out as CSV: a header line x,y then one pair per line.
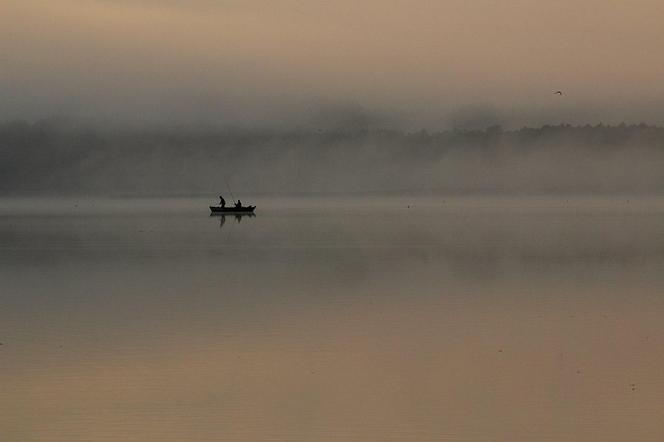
x,y
222,201
238,205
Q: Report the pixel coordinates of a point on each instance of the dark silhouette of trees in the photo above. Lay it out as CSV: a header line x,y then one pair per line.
x,y
55,156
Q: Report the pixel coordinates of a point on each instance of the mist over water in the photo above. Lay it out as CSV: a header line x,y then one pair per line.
x,y
509,319
458,236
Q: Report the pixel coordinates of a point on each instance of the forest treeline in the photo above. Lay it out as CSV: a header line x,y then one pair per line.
x,y
59,157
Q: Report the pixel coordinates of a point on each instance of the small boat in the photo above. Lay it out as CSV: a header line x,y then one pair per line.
x,y
232,209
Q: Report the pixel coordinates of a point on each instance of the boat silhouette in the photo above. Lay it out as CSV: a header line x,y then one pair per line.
x,y
231,210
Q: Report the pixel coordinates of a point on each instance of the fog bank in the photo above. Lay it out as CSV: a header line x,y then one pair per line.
x,y
50,157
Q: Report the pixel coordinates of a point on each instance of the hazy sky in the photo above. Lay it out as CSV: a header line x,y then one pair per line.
x,y
416,63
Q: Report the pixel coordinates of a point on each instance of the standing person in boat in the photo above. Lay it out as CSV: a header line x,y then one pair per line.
x,y
238,205
222,201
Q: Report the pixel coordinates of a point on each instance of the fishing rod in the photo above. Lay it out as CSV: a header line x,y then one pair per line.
x,y
229,190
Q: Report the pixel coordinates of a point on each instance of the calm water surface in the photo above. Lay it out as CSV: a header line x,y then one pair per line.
x,y
460,319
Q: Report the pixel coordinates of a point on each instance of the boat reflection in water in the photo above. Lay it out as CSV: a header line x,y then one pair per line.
x,y
238,217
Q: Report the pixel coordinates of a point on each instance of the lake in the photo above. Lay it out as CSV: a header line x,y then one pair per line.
x,y
333,319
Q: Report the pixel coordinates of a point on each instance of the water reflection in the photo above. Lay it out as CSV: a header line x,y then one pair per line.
x,y
347,321
238,217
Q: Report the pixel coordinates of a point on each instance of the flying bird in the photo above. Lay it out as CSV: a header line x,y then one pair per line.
x,y
559,93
